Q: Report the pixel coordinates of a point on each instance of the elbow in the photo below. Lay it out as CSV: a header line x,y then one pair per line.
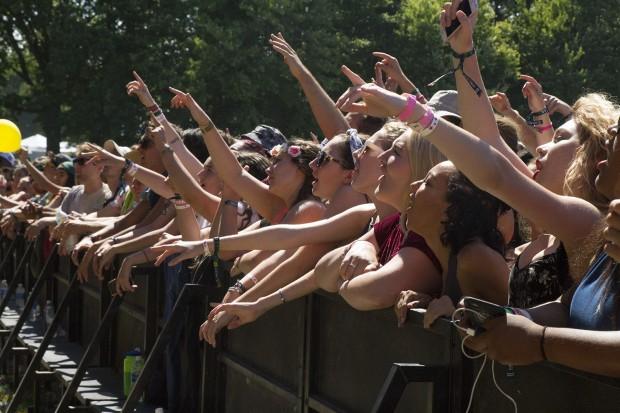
x,y
365,299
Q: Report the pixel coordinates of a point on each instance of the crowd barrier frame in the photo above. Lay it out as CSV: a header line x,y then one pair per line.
x,y
314,354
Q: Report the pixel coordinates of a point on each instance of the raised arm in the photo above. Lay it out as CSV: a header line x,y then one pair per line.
x,y
138,88
474,105
228,168
570,219
38,176
203,202
330,119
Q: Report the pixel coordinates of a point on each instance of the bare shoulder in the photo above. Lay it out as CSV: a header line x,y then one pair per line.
x,y
306,211
478,257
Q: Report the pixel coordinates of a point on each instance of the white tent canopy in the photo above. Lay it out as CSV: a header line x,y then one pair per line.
x,y
37,146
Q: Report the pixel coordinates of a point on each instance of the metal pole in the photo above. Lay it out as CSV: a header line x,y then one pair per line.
x,y
47,338
45,272
109,315
189,292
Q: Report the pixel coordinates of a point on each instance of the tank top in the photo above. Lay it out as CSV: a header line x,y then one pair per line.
x,y
391,240
542,280
594,305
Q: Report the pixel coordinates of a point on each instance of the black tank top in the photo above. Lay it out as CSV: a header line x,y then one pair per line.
x,y
542,280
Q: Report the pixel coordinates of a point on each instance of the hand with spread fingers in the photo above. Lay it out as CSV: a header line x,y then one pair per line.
x,y
289,55
408,300
612,232
461,41
138,88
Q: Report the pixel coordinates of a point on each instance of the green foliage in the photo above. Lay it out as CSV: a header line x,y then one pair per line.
x,y
67,61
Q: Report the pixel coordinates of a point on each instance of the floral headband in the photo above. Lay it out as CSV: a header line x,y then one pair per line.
x,y
293,150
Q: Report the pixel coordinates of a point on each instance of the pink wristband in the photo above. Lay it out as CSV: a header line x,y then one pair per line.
x,y
408,111
541,129
426,120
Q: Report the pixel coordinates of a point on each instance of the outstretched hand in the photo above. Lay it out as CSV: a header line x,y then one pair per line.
x,y
371,99
100,156
185,249
462,40
289,55
139,89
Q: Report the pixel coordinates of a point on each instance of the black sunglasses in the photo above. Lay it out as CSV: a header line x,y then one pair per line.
x,y
322,158
81,160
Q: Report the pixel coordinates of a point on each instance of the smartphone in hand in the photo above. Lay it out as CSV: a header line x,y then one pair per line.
x,y
478,311
468,7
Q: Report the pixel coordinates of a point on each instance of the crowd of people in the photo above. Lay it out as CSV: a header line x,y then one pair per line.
x,y
406,203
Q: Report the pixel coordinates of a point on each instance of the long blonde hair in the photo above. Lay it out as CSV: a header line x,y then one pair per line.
x,y
593,114
423,155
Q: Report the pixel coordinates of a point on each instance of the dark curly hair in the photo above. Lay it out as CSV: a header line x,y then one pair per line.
x,y
471,213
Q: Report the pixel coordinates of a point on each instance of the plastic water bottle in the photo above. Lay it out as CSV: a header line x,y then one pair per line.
x,y
49,313
128,365
20,297
34,313
138,364
4,288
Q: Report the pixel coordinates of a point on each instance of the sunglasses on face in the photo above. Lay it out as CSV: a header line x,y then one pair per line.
x,y
323,158
80,161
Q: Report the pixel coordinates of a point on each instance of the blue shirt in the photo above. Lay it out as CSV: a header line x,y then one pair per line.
x,y
593,307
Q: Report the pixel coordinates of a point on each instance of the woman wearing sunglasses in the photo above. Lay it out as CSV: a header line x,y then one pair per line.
x,y
384,259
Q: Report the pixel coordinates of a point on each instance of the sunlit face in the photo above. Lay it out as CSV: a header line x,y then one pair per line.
x,y
86,170
428,202
395,176
367,166
566,131
553,162
209,179
327,171
284,176
608,179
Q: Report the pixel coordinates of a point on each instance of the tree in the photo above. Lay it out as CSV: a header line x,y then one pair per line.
x,y
74,58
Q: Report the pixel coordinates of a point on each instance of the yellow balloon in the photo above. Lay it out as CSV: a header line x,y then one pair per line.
x,y
10,136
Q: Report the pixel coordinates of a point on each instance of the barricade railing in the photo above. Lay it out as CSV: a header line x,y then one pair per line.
x,y
312,354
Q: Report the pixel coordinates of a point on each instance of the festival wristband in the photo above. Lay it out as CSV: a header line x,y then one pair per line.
x,y
406,113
